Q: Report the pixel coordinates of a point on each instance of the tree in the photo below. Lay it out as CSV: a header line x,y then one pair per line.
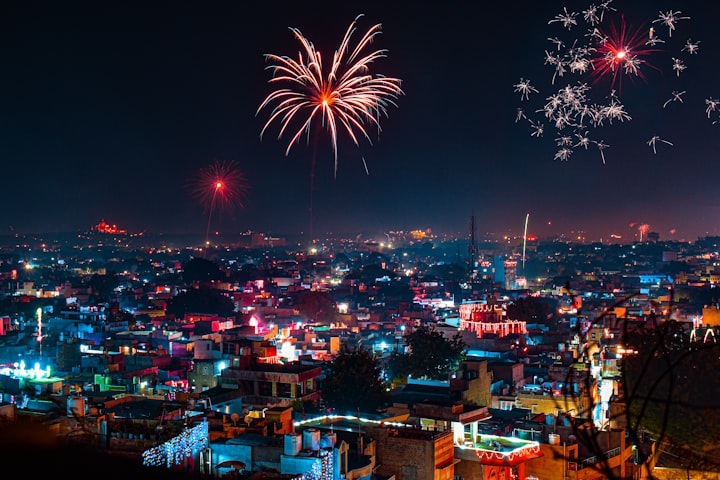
x,y
102,286
201,300
201,270
354,381
316,306
671,391
431,355
532,310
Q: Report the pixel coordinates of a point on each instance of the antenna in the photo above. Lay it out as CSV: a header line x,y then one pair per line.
x,y
527,217
471,247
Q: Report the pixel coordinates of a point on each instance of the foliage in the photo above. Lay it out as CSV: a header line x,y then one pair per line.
x,y
200,300
531,310
370,274
670,387
316,306
449,272
354,382
102,286
430,355
200,270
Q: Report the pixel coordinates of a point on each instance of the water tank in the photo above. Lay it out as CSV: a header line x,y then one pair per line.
x,y
75,406
311,438
327,440
554,439
293,443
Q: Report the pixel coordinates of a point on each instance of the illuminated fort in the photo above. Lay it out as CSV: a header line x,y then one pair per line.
x,y
484,319
104,227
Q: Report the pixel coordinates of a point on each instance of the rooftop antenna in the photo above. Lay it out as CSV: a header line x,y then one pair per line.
x,y
527,217
472,247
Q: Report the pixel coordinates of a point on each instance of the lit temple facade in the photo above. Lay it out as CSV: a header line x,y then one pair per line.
x,y
484,319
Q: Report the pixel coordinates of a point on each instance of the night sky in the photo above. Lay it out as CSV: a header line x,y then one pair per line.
x,y
110,109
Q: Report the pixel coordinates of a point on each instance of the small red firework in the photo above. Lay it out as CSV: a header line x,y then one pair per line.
x,y
222,185
622,50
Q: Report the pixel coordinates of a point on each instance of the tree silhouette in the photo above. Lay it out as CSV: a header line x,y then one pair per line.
x,y
532,310
666,393
201,270
430,355
316,306
354,382
201,300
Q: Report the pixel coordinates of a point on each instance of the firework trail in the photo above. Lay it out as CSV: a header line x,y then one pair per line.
x,y
221,185
345,96
595,51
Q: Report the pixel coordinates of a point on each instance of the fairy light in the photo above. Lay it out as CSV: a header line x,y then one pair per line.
x,y
178,449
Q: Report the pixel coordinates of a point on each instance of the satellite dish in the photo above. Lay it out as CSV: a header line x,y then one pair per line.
x,y
235,418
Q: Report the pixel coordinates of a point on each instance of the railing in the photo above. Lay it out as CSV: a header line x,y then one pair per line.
x,y
607,455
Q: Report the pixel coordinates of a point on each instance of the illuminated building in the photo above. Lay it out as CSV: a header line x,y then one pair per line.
x,y
484,319
271,384
104,227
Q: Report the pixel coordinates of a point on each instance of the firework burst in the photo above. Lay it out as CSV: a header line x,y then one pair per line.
x,y
219,186
598,60
622,50
343,97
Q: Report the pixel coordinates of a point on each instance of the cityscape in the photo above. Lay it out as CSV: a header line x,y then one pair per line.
x,y
251,358
361,240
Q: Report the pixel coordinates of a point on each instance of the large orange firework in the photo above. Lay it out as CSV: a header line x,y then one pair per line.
x,y
221,185
345,97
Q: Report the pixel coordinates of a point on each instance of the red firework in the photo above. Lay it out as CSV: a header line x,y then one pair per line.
x,y
622,50
222,185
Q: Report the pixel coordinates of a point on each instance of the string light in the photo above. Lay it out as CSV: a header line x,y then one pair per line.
x,y
178,449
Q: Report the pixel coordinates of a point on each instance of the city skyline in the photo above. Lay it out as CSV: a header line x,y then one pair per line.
x,y
109,113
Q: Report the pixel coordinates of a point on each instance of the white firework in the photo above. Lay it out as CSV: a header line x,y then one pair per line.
x,y
691,47
525,89
712,105
678,66
676,97
573,109
563,154
670,19
566,18
653,142
583,140
615,111
537,129
565,141
601,147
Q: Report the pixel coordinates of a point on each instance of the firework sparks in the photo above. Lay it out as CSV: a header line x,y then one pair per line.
x,y
220,186
670,19
712,105
676,97
609,50
691,47
524,88
653,141
345,96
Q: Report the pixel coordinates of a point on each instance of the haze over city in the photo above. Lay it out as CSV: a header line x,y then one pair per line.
x,y
113,111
